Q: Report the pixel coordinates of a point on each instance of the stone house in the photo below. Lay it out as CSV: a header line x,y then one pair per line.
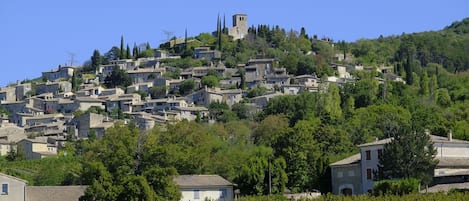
x,y
124,103
292,89
207,95
38,148
164,104
10,134
309,81
91,122
141,75
7,94
262,101
22,90
143,86
62,73
190,113
278,77
199,72
111,92
85,103
53,87
206,53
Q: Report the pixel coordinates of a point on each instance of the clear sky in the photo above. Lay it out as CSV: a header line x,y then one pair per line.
x,y
37,36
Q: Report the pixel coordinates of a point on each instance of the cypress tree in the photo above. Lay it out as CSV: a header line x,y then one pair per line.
x,y
219,33
127,52
122,50
135,51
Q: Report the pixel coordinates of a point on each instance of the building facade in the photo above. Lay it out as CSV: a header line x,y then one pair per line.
x,y
355,175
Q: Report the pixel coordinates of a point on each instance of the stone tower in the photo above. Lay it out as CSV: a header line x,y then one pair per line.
x,y
240,26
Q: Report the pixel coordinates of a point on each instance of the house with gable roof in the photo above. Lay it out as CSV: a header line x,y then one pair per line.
x,y
205,187
13,189
354,175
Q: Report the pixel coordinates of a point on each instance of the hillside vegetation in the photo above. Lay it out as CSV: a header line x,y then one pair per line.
x,y
297,137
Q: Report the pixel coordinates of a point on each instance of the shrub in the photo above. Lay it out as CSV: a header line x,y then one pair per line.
x,y
396,187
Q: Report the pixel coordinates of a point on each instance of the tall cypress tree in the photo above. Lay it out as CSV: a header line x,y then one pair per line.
x,y
127,52
219,32
135,51
122,50
225,31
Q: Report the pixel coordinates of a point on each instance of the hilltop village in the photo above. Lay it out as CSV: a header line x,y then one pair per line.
x,y
51,109
297,89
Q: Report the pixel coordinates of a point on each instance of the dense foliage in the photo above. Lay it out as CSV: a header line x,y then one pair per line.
x,y
294,139
459,196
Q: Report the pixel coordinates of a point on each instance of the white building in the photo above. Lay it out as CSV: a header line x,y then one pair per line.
x,y
204,187
13,189
355,175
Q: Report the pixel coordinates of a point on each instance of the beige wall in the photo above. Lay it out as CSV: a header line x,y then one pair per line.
x,y
16,189
207,193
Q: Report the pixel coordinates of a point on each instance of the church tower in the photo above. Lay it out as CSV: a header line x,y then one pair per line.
x,y
240,26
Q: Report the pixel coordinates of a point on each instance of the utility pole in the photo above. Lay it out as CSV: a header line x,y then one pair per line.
x,y
72,58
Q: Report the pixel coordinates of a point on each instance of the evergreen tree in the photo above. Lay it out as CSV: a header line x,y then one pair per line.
x,y
96,60
122,50
135,51
410,154
127,52
424,85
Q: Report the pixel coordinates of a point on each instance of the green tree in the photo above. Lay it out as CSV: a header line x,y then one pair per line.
x,y
96,60
300,151
112,54
410,154
117,78
442,97
16,153
157,92
115,169
122,54
424,84
253,176
128,55
135,52
187,87
210,81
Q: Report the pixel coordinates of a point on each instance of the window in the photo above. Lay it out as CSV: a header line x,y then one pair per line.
x,y
197,194
368,174
4,189
368,155
223,192
340,174
380,152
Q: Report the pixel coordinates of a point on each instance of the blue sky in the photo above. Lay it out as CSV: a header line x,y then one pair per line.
x,y
37,36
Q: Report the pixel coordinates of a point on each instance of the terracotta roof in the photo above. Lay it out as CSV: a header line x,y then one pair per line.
x,y
201,180
54,193
347,161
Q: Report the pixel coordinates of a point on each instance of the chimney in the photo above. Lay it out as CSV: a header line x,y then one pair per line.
x,y
450,136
